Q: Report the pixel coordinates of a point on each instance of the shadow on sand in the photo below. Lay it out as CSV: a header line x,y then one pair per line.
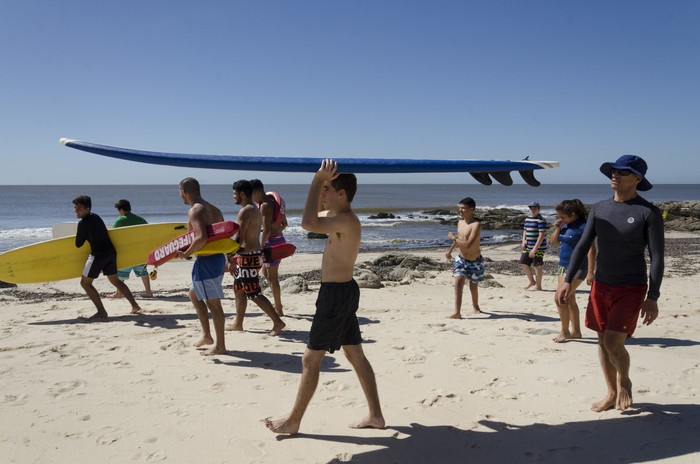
x,y
648,433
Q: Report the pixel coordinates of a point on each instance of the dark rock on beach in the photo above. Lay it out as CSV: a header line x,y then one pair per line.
x,y
682,216
382,215
491,219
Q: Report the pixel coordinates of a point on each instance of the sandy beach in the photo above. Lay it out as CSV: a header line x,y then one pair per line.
x,y
491,388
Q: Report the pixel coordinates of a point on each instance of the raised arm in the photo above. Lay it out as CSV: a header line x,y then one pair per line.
x,y
321,222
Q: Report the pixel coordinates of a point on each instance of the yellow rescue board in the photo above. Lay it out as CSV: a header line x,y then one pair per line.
x,y
59,259
224,245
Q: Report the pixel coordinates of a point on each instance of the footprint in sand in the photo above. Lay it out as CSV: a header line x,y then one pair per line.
x,y
440,399
110,435
66,389
156,456
191,377
414,359
462,361
14,400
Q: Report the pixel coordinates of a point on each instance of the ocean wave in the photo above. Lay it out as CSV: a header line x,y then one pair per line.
x,y
29,233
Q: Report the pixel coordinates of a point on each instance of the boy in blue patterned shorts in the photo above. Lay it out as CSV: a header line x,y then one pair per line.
x,y
468,265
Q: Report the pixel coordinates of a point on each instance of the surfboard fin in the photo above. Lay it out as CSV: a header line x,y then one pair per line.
x,y
482,177
503,177
529,177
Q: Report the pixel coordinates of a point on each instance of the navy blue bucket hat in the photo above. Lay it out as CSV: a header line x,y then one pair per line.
x,y
632,163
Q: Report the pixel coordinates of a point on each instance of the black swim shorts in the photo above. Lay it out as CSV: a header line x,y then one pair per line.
x,y
246,276
105,264
335,322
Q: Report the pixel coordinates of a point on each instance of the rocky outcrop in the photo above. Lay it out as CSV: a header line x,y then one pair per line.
x,y
491,219
683,216
294,284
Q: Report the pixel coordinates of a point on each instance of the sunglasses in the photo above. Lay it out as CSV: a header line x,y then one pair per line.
x,y
621,172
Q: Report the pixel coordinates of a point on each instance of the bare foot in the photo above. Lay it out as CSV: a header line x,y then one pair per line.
x,y
148,294
116,295
476,310
534,288
276,329
98,316
369,423
136,310
205,340
562,337
606,403
279,311
281,426
576,335
234,327
455,316
624,395
529,286
213,351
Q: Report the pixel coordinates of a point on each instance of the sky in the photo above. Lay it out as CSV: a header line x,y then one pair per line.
x,y
578,82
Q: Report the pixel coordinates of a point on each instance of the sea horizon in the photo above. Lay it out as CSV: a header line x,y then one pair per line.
x,y
30,211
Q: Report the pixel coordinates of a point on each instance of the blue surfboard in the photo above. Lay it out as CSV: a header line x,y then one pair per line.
x,y
482,170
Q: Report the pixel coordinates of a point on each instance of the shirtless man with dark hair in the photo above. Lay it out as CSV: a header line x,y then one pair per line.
x,y
335,323
274,222
248,261
208,271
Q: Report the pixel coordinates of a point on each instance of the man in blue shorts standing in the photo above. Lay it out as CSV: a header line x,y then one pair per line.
x,y
208,271
623,226
103,256
335,323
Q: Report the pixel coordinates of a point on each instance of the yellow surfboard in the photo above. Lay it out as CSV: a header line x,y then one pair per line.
x,y
59,259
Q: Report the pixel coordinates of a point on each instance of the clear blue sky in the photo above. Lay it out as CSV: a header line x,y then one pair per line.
x,y
579,82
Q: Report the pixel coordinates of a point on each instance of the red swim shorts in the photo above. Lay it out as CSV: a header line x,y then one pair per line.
x,y
614,308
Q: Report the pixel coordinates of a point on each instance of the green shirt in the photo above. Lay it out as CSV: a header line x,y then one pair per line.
x,y
129,219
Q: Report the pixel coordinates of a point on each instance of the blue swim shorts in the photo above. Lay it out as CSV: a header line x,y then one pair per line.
x,y
207,276
139,270
473,270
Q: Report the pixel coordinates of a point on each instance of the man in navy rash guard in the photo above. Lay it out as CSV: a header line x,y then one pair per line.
x,y
624,226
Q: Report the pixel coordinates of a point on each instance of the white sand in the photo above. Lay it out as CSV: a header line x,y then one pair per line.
x,y
486,389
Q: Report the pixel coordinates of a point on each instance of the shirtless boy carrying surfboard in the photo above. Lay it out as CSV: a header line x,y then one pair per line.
x,y
335,322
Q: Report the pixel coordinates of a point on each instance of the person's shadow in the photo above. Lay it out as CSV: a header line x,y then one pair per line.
x,y
647,433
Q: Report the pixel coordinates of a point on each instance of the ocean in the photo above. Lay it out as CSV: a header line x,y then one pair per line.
x,y
27,213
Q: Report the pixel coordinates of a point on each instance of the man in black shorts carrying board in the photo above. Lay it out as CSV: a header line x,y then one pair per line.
x,y
335,324
103,256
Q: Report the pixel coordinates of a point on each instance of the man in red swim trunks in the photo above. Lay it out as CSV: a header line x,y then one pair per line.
x,y
624,227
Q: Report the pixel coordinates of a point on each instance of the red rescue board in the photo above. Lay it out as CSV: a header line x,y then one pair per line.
x,y
275,252
168,250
